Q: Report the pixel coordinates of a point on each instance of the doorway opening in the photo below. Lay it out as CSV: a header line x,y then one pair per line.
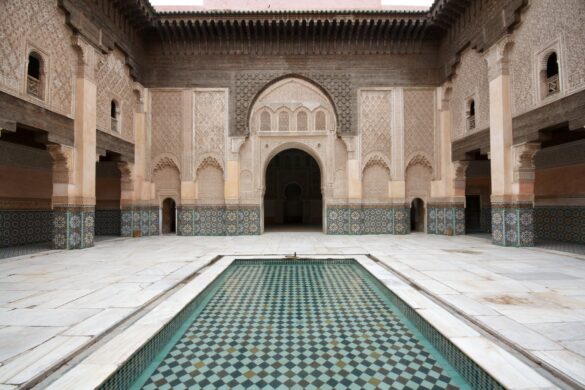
x,y
417,215
473,214
169,216
293,198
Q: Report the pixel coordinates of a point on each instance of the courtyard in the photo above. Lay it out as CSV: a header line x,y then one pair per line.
x,y
57,304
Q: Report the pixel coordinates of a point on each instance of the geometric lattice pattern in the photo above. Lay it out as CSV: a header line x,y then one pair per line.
x,y
20,227
319,324
367,220
560,223
107,222
140,220
375,122
218,221
512,225
73,227
446,220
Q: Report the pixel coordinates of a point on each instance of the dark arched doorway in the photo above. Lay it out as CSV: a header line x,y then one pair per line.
x,y
293,191
417,215
168,216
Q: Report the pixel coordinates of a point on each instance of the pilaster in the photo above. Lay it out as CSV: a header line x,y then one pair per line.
x,y
512,190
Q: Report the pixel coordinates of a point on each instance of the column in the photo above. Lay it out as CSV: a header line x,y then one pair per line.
x,y
74,168
512,200
140,213
446,210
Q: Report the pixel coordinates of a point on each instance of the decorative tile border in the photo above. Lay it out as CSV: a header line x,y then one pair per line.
x,y
368,219
73,227
512,224
140,220
107,222
446,219
560,223
20,227
218,220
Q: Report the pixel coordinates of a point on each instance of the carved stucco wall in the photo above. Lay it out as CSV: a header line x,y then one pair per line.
x,y
285,100
375,124
210,121
375,180
543,23
419,124
249,84
167,124
210,182
418,181
168,182
114,83
470,82
37,25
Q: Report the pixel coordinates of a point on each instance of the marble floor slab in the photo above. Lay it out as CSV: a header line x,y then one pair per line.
x,y
55,303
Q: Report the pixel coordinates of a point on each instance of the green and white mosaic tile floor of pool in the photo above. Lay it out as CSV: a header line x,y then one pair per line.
x,y
305,326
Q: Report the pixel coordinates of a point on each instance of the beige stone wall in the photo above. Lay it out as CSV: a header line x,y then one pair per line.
x,y
547,25
114,83
38,25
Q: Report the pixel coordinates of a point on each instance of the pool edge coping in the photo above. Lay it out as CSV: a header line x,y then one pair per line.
x,y
504,367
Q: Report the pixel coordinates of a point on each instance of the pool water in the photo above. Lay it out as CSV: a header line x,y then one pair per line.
x,y
313,324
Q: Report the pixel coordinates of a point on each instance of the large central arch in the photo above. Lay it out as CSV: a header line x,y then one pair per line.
x,y
293,197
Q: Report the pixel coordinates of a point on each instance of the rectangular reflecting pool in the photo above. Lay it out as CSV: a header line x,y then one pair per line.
x,y
298,324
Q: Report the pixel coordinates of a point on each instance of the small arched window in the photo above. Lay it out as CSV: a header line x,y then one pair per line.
x,y
552,74
265,121
114,115
320,121
283,121
302,121
34,73
471,115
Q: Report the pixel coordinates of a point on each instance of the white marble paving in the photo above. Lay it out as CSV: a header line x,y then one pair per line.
x,y
522,294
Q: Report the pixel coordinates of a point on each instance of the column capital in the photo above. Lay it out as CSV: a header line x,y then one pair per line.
x,y
524,161
63,163
89,59
497,58
444,103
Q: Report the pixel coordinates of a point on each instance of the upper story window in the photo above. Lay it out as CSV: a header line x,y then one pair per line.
x,y
552,74
320,121
471,115
35,75
115,115
283,121
302,121
265,121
